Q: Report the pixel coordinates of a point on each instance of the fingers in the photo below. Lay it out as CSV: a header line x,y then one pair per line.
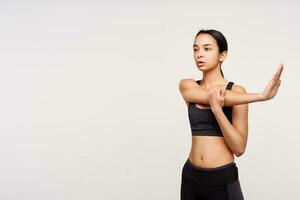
x,y
217,90
278,82
281,69
278,72
221,93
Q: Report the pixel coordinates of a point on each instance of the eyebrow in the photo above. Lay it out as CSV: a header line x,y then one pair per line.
x,y
202,45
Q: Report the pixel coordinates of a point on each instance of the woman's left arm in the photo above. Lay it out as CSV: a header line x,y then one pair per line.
x,y
235,134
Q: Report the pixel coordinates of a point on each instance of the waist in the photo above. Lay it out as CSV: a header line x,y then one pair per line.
x,y
210,176
210,151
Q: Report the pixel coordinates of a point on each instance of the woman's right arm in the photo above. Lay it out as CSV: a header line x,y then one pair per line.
x,y
191,92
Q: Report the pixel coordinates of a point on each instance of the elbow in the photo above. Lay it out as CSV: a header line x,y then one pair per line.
x,y
239,152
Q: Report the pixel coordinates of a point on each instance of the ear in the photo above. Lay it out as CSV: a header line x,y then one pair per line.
x,y
223,55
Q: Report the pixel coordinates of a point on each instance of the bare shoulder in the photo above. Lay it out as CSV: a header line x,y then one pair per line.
x,y
243,108
238,88
187,83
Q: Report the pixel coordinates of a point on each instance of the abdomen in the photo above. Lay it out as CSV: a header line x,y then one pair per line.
x,y
210,151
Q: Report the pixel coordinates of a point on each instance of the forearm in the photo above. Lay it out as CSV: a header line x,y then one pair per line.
x,y
232,137
236,98
199,95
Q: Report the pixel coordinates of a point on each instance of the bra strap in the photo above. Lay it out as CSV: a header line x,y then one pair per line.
x,y
229,85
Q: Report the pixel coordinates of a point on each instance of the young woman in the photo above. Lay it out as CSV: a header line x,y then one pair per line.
x,y
218,116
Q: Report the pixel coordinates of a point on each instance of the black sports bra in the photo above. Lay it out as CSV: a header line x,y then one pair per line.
x,y
203,121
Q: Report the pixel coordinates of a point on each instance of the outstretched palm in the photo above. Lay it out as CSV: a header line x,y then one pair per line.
x,y
271,89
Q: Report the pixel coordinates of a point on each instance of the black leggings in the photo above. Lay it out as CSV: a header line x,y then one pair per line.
x,y
219,183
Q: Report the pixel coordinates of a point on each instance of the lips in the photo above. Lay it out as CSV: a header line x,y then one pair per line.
x,y
200,63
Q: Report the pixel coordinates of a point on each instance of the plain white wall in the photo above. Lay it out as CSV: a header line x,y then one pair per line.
x,y
90,106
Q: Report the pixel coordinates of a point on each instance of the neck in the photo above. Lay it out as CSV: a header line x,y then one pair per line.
x,y
213,77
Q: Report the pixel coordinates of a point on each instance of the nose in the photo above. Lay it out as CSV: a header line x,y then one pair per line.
x,y
199,54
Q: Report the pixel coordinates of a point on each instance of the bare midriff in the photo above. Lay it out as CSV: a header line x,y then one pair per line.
x,y
210,152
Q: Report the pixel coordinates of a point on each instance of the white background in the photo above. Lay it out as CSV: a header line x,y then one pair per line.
x,y
90,106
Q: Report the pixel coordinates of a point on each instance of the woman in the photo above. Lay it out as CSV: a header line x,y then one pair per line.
x,y
218,115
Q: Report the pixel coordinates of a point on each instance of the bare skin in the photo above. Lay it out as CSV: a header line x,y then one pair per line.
x,y
191,92
214,151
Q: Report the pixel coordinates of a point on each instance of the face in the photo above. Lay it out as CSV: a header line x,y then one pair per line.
x,y
206,49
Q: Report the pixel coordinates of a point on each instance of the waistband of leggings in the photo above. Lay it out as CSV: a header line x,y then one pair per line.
x,y
210,169
210,176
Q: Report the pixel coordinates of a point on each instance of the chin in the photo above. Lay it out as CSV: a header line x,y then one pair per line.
x,y
201,68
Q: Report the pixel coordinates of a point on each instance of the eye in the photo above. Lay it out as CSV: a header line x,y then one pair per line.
x,y
207,48
195,49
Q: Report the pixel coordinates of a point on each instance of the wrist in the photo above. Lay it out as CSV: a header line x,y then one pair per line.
x,y
260,97
216,109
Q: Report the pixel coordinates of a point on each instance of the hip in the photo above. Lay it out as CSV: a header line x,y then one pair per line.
x,y
220,175
218,183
